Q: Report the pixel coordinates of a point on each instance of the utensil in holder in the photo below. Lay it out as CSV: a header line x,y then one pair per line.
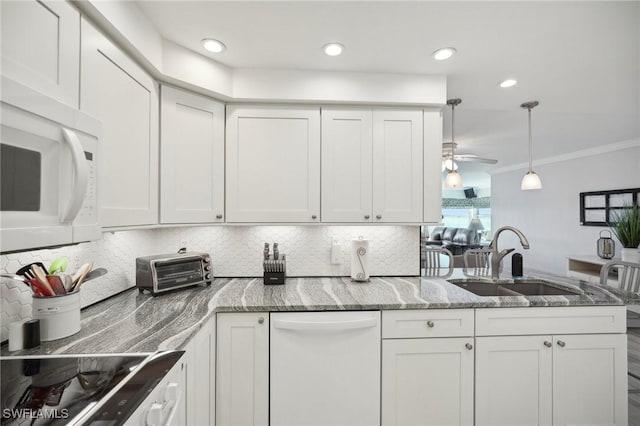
x,y
275,271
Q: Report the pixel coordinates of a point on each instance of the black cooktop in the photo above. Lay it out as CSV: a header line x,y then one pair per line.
x,y
53,390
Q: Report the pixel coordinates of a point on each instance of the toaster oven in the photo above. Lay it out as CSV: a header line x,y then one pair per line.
x,y
166,272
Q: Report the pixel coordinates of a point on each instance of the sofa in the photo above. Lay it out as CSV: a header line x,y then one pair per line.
x,y
456,240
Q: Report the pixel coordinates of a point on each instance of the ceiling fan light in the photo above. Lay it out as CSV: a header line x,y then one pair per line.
x,y
449,164
453,180
530,181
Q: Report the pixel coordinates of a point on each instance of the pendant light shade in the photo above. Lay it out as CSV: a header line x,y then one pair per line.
x,y
531,180
453,178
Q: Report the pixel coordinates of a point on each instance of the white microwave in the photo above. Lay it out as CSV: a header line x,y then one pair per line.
x,y
48,173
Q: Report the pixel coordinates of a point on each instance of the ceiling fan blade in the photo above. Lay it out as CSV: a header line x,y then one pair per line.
x,y
475,159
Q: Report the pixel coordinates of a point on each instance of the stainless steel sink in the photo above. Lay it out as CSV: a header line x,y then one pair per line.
x,y
526,287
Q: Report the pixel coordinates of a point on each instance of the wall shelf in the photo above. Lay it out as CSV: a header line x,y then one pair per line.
x,y
587,268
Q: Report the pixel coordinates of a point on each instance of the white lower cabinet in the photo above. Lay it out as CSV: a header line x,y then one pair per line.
x,y
590,380
552,377
427,381
419,367
513,380
200,374
427,367
242,364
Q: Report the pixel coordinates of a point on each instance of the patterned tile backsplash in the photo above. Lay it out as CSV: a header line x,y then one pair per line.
x,y
236,251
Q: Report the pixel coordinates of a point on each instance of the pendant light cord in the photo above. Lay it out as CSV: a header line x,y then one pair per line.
x,y
530,156
453,140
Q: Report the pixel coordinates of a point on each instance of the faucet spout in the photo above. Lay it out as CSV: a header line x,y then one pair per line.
x,y
497,256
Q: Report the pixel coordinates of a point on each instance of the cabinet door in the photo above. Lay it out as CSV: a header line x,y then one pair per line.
x,y
192,158
125,99
432,120
427,381
242,371
346,165
199,375
397,166
513,380
273,164
41,47
590,379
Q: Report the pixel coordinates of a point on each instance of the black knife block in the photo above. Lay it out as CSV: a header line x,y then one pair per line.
x,y
275,277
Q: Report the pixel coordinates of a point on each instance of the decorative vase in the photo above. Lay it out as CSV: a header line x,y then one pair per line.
x,y
630,255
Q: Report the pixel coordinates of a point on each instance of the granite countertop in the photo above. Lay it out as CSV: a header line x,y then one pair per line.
x,y
131,322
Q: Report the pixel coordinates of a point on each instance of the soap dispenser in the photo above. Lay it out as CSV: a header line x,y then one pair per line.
x,y
516,266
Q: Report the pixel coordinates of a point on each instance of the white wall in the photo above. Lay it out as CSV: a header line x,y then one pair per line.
x,y
550,217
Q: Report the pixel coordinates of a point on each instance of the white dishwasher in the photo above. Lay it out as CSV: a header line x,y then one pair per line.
x,y
325,368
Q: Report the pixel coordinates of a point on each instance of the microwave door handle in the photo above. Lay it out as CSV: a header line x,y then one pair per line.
x,y
81,174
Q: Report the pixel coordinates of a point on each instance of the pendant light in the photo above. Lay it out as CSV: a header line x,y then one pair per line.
x,y
531,180
453,178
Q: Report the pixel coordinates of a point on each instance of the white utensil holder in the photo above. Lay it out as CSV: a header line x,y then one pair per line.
x,y
59,315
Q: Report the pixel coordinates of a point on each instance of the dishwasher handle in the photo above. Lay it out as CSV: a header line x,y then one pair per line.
x,y
325,325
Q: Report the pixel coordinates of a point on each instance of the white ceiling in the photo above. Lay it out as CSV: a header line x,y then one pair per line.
x,y
580,60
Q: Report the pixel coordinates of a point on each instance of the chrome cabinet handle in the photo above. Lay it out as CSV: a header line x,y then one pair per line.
x,y
260,320
366,216
218,216
468,346
561,343
547,343
430,323
378,216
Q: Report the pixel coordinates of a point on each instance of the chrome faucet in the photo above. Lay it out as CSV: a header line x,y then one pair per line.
x,y
497,256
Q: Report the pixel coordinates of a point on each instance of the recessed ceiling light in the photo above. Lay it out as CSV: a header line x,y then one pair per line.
x,y
510,82
333,49
213,46
444,53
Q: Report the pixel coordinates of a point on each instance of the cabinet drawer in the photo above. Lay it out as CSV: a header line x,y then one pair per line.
x,y
569,320
427,323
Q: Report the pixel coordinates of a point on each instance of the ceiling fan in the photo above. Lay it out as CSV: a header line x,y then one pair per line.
x,y
447,149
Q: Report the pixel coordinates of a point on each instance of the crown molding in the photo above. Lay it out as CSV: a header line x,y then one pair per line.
x,y
587,152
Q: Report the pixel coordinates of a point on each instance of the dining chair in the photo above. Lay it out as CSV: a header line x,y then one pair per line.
x,y
432,260
477,262
629,280
628,275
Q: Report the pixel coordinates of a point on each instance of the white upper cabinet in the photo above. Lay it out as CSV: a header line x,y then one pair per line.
x,y
372,165
125,99
347,148
432,119
397,166
191,158
41,47
273,164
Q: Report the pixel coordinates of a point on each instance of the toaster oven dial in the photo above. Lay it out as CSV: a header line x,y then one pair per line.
x,y
207,268
206,260
207,276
